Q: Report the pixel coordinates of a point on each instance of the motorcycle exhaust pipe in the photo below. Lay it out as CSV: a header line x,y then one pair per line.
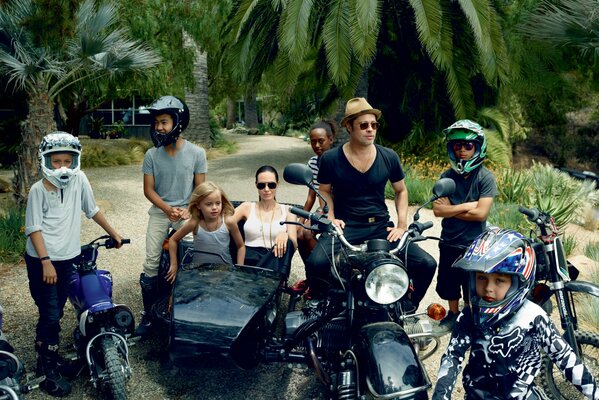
x,y
320,372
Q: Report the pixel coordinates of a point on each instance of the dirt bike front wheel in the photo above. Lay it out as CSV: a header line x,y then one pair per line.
x,y
115,370
555,385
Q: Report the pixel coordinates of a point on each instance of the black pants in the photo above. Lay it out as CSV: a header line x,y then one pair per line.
x,y
49,299
449,280
421,265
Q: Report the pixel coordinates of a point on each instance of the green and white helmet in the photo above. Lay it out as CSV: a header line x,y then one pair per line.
x,y
466,130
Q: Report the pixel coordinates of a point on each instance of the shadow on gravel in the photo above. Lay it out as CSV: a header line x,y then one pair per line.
x,y
265,382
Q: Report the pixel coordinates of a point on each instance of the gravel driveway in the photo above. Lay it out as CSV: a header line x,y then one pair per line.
x,y
119,193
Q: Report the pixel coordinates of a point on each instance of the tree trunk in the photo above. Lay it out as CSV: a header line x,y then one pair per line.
x,y
198,130
39,122
230,113
251,110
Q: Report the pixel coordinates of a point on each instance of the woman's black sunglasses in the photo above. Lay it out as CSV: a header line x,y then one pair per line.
x,y
262,185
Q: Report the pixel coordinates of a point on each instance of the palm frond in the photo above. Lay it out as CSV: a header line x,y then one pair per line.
x,y
499,152
491,116
242,16
295,27
478,13
337,41
365,17
429,23
573,23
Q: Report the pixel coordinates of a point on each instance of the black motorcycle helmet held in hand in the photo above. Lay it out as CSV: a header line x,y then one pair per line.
x,y
178,110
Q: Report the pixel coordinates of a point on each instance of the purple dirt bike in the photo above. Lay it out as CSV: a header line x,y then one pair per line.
x,y
103,327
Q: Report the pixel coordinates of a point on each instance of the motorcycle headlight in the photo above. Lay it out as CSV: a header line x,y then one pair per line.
x,y
386,283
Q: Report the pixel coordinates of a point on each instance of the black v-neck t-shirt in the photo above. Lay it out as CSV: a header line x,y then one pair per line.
x,y
358,195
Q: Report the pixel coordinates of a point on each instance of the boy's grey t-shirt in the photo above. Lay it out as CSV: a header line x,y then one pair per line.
x,y
481,183
57,214
173,176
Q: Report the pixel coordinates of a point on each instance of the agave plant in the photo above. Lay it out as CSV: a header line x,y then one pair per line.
x,y
561,195
98,49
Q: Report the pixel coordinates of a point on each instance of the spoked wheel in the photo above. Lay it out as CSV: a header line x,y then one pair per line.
x,y
553,381
116,369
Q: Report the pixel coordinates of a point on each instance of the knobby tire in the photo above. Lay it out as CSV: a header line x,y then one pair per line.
x,y
554,383
115,369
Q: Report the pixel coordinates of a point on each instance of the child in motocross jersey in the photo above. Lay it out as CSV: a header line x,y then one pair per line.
x,y
322,135
503,330
212,225
465,212
52,226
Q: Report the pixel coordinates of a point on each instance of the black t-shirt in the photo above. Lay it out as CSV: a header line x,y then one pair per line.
x,y
359,195
480,183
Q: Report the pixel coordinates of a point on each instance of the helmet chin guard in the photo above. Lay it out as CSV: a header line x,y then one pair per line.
x,y
178,111
59,142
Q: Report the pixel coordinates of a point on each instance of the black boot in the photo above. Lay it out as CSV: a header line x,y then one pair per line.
x,y
148,295
48,364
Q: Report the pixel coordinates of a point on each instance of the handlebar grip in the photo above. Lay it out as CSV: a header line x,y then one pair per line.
x,y
427,225
125,241
300,212
532,214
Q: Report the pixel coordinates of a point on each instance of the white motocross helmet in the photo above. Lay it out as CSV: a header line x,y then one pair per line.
x,y
59,142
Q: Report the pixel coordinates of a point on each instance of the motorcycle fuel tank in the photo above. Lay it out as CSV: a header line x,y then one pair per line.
x,y
393,368
217,311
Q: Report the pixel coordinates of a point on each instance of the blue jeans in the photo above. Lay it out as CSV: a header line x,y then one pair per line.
x,y
49,299
421,265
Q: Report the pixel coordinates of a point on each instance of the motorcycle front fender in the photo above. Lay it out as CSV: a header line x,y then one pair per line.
x,y
391,365
583,287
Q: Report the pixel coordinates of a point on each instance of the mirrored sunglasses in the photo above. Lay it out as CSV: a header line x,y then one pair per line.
x,y
364,125
262,185
466,145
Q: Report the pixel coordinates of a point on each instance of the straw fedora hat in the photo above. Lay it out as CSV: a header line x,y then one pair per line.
x,y
356,107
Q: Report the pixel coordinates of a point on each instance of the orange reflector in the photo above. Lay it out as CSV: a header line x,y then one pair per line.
x,y
436,311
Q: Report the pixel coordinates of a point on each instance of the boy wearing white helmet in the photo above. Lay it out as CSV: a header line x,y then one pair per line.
x,y
465,212
53,226
171,171
503,330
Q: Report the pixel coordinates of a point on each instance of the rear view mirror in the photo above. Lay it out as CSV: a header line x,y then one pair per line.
x,y
443,187
298,174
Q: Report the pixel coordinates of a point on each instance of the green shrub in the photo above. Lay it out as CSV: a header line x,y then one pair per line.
x,y
514,187
507,216
548,189
420,189
591,250
108,153
12,235
587,306
569,243
559,194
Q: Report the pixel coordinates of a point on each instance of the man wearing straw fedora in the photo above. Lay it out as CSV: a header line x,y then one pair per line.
x,y
357,173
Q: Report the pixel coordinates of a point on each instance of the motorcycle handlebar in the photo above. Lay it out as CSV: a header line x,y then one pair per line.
x,y
110,243
531,213
301,213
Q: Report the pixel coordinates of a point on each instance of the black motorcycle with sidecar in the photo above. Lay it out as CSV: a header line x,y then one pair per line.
x,y
361,338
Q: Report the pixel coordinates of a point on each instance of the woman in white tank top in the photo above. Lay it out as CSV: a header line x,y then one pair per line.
x,y
262,229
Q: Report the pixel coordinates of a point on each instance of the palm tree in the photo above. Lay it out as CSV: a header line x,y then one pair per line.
x,y
572,24
97,50
341,37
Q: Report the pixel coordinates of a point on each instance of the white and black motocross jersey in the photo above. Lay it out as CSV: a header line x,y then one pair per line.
x,y
505,360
